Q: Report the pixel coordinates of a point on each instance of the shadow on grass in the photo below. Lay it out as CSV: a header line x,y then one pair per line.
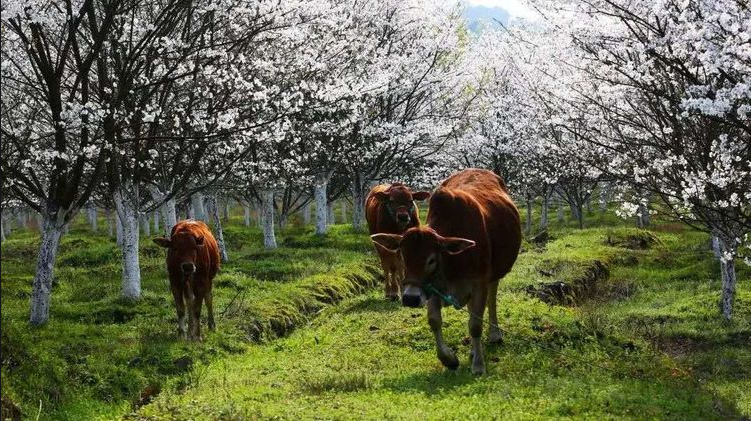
x,y
375,304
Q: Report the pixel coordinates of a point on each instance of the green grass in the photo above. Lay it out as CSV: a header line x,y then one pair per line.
x,y
635,333
99,354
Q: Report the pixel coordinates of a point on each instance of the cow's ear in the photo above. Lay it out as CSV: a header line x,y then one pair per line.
x,y
199,241
421,195
389,242
163,241
454,245
382,196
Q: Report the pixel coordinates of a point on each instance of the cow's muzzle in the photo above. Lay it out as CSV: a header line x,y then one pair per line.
x,y
403,218
413,297
188,268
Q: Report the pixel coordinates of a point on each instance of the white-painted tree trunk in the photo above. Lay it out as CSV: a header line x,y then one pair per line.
x,y
267,207
199,211
169,212
119,229
259,212
528,222
126,206
108,217
145,224
358,207
321,185
330,217
93,218
727,253
42,285
227,210
246,215
306,214
213,207
544,212
155,216
2,228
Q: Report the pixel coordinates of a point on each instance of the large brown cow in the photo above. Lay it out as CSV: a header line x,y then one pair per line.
x,y
471,241
391,209
192,263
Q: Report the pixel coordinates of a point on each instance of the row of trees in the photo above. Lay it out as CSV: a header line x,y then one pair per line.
x,y
139,106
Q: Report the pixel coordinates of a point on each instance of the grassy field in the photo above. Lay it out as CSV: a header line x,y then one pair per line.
x,y
606,322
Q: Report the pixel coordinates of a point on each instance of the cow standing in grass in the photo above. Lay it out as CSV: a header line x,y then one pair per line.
x,y
192,263
470,242
391,209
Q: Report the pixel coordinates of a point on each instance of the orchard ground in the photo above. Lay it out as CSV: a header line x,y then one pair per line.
x,y
605,322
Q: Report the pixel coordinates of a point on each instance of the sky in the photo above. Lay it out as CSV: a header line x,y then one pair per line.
x,y
515,8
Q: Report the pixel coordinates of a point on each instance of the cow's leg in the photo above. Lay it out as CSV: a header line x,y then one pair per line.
x,y
477,308
445,354
197,304
180,306
190,302
210,310
495,335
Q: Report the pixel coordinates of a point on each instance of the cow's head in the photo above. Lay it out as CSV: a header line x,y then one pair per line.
x,y
400,202
422,249
183,250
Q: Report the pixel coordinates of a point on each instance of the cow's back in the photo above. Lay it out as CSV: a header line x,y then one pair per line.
x,y
209,257
475,204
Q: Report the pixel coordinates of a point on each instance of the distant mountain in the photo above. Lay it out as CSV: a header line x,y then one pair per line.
x,y
479,16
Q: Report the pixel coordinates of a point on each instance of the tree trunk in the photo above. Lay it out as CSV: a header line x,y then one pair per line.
x,y
156,221
729,280
42,284
283,218
119,229
321,185
544,212
344,212
93,218
227,210
330,217
108,217
306,214
247,215
169,211
561,216
126,205
603,199
358,206
259,211
2,228
145,224
199,212
267,206
580,215
528,222
588,203
213,207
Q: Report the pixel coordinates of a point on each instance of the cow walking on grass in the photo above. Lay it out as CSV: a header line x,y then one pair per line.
x,y
391,209
192,263
471,241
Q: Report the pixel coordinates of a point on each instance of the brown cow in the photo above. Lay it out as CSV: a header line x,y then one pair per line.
x,y
390,209
471,241
192,263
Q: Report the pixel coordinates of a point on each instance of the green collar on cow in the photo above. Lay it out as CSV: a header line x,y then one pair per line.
x,y
447,298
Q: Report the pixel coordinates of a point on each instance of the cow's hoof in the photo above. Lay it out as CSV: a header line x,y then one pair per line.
x,y
495,337
478,369
449,361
